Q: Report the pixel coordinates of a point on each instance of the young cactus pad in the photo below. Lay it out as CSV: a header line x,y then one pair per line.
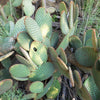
x,y
58,63
45,89
5,85
28,7
88,35
75,42
64,23
52,54
36,87
63,44
72,20
24,61
89,43
94,40
62,7
40,95
54,90
54,39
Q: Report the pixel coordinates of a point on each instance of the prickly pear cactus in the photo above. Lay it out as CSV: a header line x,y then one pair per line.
x,y
5,85
92,88
67,25
36,87
54,90
6,41
73,14
35,65
88,56
42,93
90,53
28,7
38,59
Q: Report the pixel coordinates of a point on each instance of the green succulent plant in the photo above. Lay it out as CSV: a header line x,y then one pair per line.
x,y
27,6
68,22
14,93
90,55
54,90
92,88
35,44
87,55
32,36
39,91
6,43
5,85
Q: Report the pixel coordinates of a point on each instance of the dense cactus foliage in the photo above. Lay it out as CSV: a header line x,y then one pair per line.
x,y
41,57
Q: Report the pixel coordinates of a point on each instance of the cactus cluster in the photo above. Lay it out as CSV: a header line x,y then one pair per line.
x,y
6,41
87,55
42,58
36,40
35,44
34,36
90,54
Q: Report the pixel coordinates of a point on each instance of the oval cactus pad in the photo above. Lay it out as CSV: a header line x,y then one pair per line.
x,y
33,29
38,53
43,72
5,85
44,20
36,87
86,56
19,70
24,40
